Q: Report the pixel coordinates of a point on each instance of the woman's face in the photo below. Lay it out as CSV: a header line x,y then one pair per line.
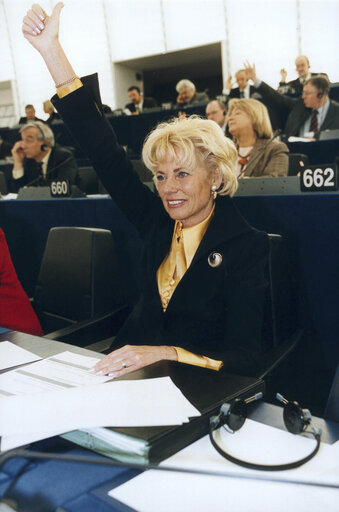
x,y
185,193
239,122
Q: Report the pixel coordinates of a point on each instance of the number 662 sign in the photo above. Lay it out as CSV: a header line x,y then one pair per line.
x,y
319,178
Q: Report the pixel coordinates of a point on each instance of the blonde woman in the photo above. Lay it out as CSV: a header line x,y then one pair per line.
x,y
202,270
49,109
258,154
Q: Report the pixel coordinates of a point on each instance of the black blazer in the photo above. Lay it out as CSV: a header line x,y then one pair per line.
x,y
297,112
215,311
61,165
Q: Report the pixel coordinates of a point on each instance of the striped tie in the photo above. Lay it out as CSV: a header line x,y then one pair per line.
x,y
314,123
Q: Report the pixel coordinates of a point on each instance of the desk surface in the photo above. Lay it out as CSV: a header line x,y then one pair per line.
x,y
73,490
69,490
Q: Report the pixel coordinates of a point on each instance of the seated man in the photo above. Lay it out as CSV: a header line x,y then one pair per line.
x,y
37,160
244,89
308,115
294,88
30,115
16,312
216,111
138,102
187,94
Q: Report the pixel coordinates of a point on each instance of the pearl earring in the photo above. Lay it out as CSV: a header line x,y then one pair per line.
x,y
214,191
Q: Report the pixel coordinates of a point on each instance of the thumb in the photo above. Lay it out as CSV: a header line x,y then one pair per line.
x,y
57,10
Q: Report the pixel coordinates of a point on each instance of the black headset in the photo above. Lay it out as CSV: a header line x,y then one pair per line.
x,y
233,415
320,94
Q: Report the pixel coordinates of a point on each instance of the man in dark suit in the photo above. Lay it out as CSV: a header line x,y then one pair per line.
x,y
36,159
244,89
138,102
308,115
294,88
30,115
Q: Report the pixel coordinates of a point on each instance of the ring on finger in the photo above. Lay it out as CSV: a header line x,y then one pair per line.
x,y
123,364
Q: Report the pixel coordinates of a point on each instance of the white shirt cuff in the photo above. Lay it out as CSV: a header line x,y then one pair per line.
x,y
17,174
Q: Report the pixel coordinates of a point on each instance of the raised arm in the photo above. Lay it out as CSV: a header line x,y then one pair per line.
x,y
266,90
42,32
79,103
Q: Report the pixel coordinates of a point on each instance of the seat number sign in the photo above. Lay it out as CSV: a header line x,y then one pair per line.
x,y
319,178
60,188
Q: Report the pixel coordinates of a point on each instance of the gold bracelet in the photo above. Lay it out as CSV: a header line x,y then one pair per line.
x,y
70,80
67,89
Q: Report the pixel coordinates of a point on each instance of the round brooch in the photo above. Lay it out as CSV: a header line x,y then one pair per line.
x,y
214,259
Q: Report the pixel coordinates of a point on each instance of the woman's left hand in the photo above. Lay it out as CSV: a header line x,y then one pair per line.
x,y
133,357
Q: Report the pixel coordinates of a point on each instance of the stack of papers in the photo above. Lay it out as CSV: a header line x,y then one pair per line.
x,y
58,394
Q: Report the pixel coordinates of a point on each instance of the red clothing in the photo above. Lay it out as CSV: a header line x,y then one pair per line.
x,y
16,312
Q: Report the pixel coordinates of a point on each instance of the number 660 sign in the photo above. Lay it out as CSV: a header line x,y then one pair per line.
x,y
319,178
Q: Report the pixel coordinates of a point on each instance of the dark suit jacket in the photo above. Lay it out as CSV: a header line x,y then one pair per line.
x,y
297,112
267,159
235,92
216,311
23,120
148,103
293,89
61,165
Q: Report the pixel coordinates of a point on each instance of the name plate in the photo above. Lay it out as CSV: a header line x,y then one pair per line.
x,y
60,188
319,178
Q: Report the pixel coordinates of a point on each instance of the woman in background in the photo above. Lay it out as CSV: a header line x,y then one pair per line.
x,y
49,109
258,154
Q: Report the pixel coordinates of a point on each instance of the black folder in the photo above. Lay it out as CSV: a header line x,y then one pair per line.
x,y
206,389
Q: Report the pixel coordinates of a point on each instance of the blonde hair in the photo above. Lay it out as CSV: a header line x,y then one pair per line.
x,y
48,105
257,112
195,139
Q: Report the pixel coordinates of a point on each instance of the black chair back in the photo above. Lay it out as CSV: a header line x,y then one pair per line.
x,y
88,180
78,277
3,184
280,333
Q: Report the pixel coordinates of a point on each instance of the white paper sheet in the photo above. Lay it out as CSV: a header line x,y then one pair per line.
x,y
165,492
62,371
12,355
155,491
147,402
256,442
